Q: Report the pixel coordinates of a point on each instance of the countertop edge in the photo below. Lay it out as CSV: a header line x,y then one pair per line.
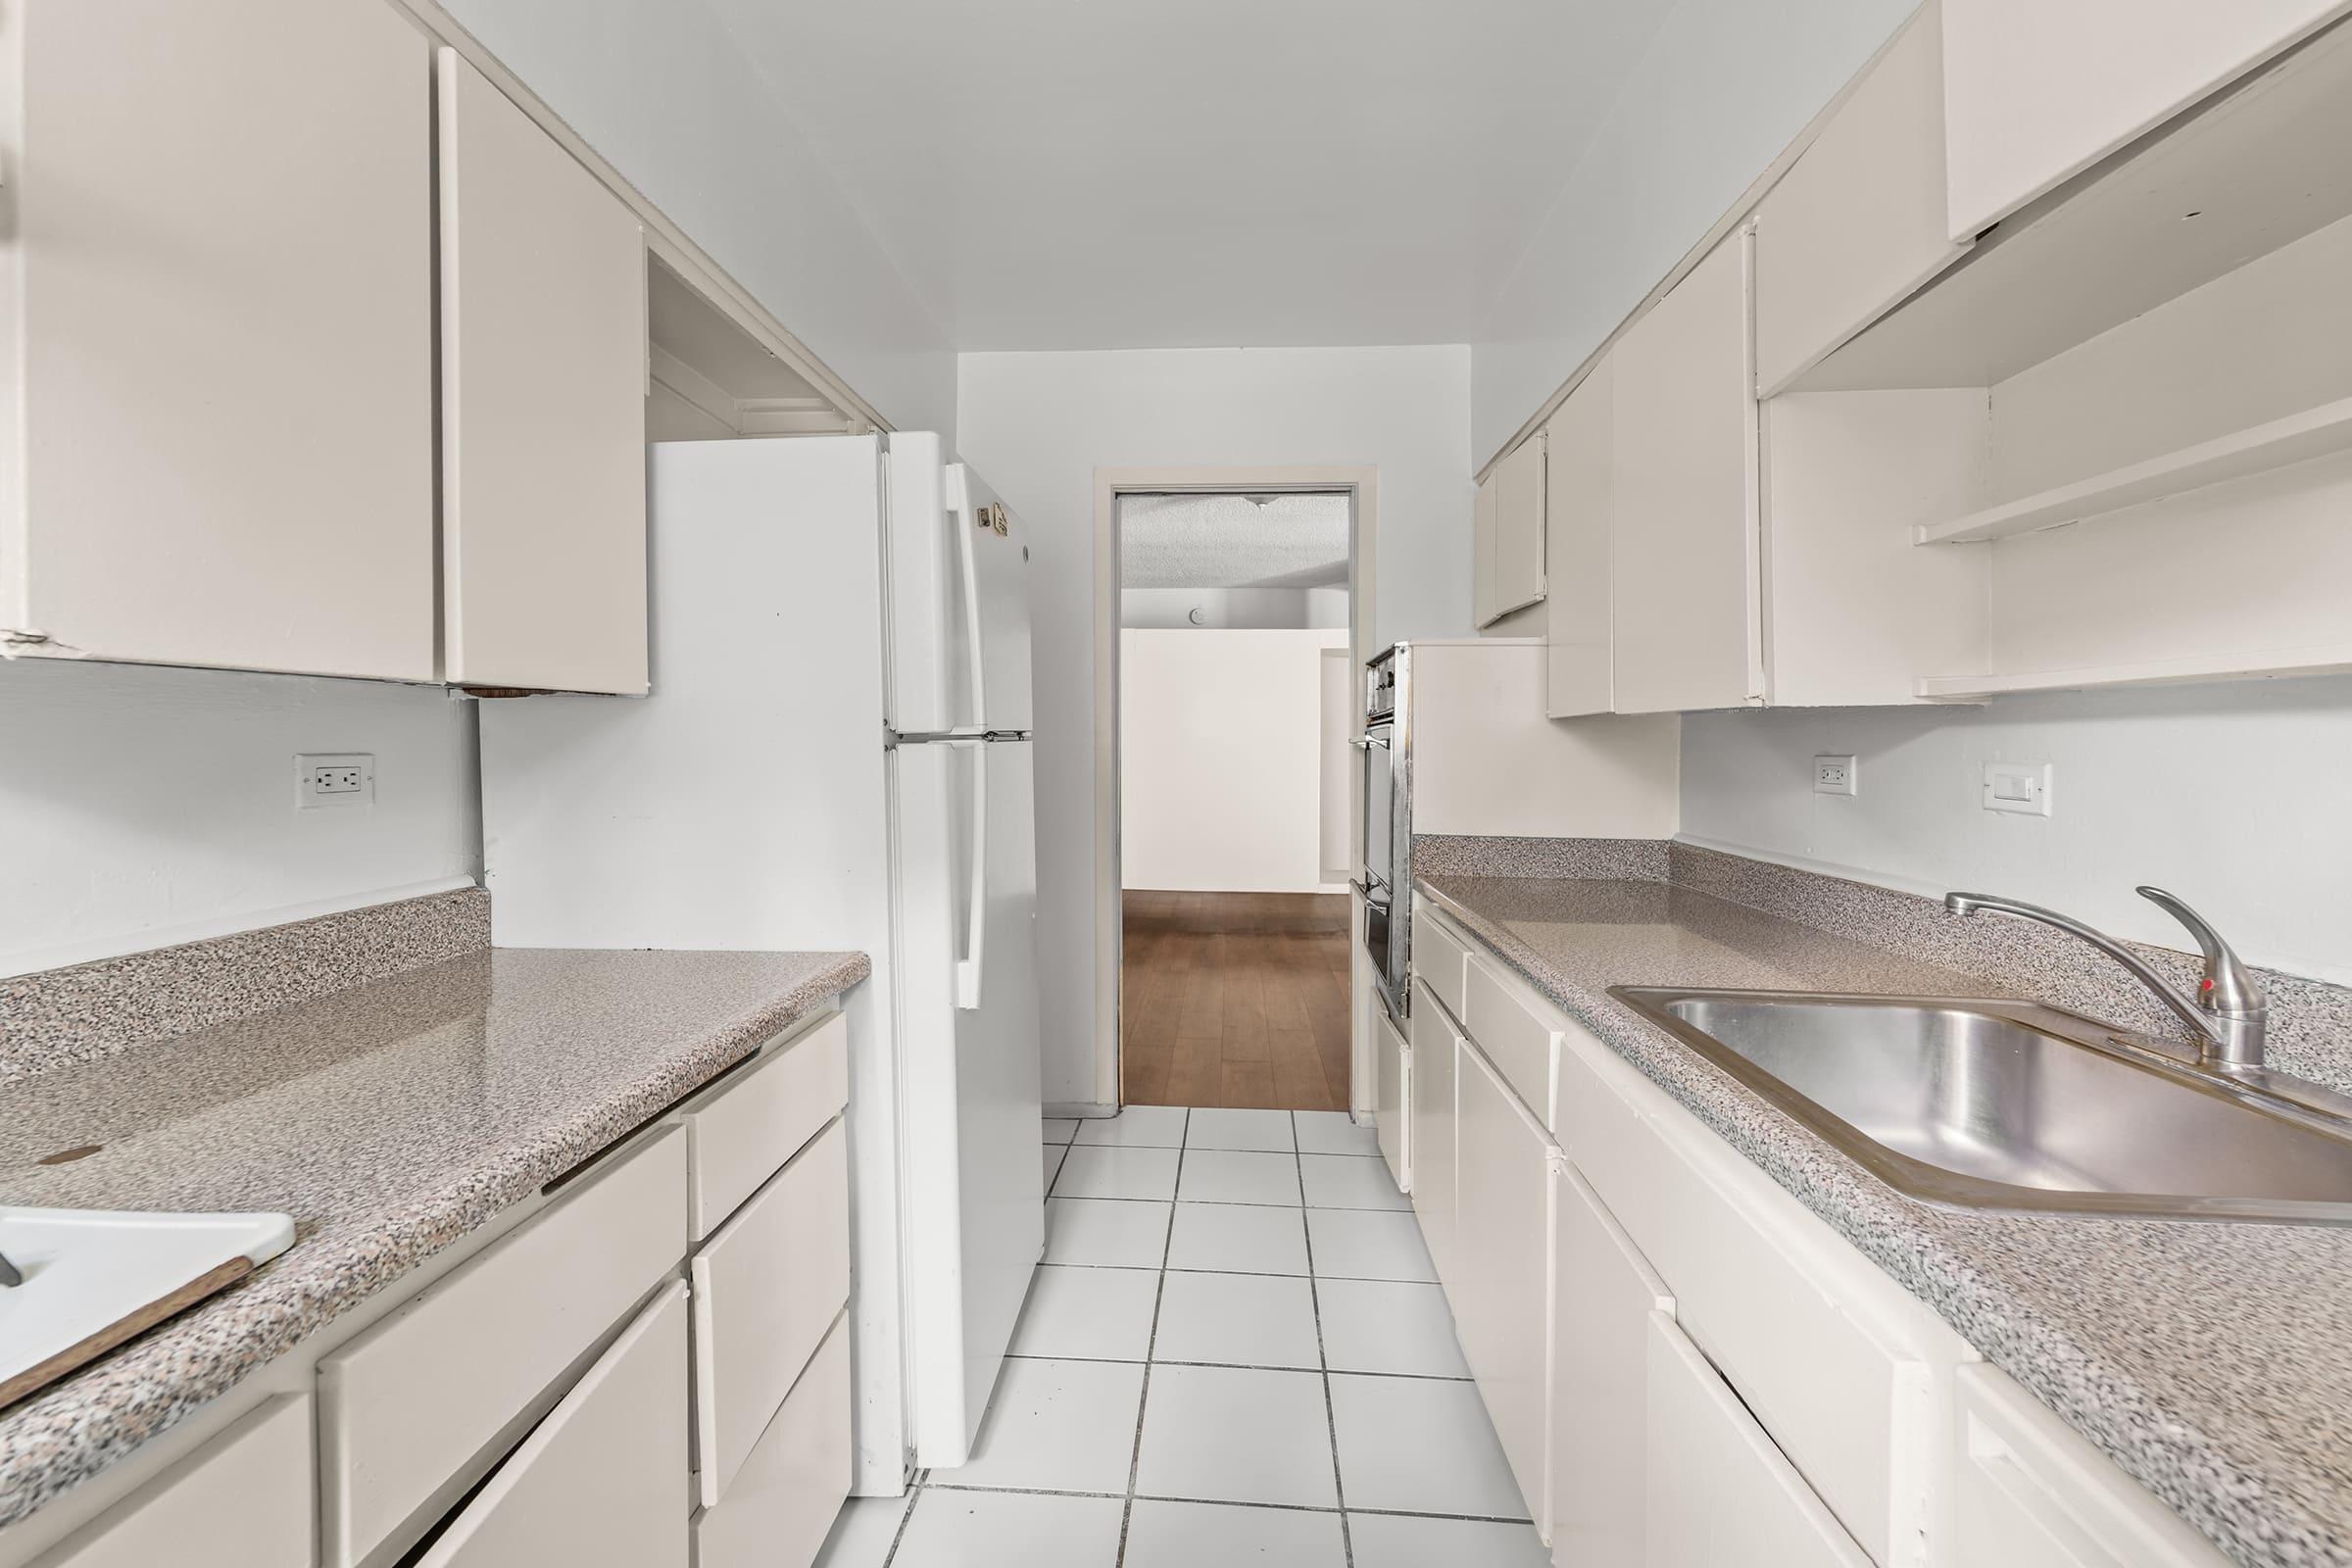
x,y
2008,1333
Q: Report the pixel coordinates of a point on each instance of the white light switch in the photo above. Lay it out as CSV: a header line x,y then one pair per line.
x,y
2023,787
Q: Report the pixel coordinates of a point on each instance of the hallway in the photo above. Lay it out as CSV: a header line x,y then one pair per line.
x,y
1236,999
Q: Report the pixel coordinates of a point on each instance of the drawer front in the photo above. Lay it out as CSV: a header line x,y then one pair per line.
x,y
1502,1306
1440,960
1392,1094
1849,1374
1514,1030
1435,1063
1605,1294
784,1500
603,1479
243,1501
743,1129
766,1289
408,1407
1717,1490
2034,1495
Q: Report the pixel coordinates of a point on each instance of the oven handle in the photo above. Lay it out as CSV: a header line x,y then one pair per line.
x,y
1367,886
1364,743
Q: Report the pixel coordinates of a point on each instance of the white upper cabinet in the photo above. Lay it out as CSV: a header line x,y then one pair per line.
x,y
543,369
1685,569
1482,551
1578,506
1519,526
1858,223
2036,92
219,421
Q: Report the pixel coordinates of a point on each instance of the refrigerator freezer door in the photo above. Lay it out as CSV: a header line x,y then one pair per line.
x,y
1000,558
972,1188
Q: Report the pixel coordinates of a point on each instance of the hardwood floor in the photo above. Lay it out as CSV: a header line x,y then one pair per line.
x,y
1236,998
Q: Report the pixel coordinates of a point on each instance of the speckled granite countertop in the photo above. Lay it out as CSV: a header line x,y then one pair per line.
x,y
2212,1361
389,1119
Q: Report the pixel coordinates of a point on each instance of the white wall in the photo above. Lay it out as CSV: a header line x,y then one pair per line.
x,y
662,88
1724,86
1233,608
1038,425
141,806
1222,763
2232,795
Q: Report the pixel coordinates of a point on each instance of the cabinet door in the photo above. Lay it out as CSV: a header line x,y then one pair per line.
x,y
2031,1494
1392,1095
603,1479
1434,1048
1716,1490
1481,554
222,370
1519,526
1685,567
543,365
1602,1298
1502,1306
1578,503
2035,93
243,1501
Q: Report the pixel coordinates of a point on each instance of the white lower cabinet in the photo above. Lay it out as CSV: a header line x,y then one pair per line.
x,y
1716,1490
1603,1296
2034,1495
243,1501
1502,1302
1435,1167
784,1499
767,1288
602,1482
1392,1094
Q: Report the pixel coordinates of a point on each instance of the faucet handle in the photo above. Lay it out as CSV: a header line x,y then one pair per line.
x,y
2229,987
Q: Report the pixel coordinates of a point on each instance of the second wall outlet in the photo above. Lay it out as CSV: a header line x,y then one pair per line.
x,y
1835,775
334,778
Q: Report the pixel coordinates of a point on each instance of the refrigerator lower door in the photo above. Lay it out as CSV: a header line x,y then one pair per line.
x,y
972,1189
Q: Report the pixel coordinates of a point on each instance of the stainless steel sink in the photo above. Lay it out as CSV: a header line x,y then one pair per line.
x,y
2017,1105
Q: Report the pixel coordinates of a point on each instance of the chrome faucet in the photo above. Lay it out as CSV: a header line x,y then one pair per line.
x,y
2229,1012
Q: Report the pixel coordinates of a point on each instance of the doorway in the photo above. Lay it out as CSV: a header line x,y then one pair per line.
x,y
1234,700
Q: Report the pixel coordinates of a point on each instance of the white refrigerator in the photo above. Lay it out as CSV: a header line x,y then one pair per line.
x,y
835,754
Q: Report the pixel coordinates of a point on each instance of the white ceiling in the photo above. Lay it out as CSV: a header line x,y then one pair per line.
x,y
1276,541
1143,173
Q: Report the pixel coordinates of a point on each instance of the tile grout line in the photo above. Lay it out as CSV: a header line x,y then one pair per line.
x,y
1331,1415
1142,1398
1223,1503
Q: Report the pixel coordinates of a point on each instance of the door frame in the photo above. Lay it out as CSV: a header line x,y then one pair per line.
x,y
1360,482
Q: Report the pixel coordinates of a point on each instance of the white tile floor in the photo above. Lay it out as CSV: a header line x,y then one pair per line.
x,y
1234,1350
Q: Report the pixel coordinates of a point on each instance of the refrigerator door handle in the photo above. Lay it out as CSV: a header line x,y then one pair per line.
x,y
968,967
968,522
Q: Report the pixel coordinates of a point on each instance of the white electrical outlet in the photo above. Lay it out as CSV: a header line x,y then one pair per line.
x,y
2021,787
1836,775
334,778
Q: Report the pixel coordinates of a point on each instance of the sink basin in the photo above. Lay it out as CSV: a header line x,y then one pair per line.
x,y
92,1278
2017,1105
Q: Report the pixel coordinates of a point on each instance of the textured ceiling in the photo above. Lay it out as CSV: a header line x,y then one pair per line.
x,y
1149,174
1290,541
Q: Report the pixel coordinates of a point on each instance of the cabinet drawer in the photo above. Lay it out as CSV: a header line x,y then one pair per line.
x,y
1502,1305
765,1288
1849,1374
603,1479
408,1408
1717,1490
1438,957
243,1501
1517,1037
741,1130
2031,1494
785,1499
1435,1063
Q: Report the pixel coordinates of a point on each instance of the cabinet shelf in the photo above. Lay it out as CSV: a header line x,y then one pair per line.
x,y
2332,658
2299,437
